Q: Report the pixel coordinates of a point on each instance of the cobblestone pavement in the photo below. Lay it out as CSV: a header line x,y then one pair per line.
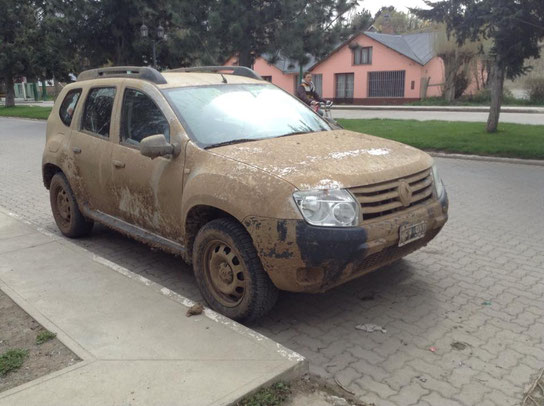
x,y
475,293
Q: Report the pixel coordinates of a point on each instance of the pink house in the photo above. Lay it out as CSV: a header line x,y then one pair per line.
x,y
369,68
282,72
374,68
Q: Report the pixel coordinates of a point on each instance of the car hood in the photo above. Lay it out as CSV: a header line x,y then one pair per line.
x,y
329,159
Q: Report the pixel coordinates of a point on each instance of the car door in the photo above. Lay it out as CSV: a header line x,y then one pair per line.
x,y
147,191
91,147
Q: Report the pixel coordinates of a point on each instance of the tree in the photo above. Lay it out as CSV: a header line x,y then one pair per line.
x,y
359,22
294,27
513,26
56,54
190,40
457,60
391,21
18,36
319,26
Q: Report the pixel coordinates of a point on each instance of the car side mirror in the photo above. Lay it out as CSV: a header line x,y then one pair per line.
x,y
156,145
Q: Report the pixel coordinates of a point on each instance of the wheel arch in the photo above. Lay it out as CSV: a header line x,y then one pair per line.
x,y
196,218
48,171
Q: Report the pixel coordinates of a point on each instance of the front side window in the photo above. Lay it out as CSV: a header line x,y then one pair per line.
x,y
66,111
98,107
224,114
140,118
362,56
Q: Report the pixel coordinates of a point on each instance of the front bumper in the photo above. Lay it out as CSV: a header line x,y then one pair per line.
x,y
299,257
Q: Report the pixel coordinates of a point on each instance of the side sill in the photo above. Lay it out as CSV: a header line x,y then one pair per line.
x,y
135,232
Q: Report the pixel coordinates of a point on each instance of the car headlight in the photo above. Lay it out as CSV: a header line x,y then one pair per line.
x,y
438,185
332,208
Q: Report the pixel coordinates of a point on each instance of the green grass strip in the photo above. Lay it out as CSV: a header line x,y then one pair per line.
x,y
37,112
12,360
511,141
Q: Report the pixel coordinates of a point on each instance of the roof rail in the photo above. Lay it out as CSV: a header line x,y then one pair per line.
x,y
140,72
235,70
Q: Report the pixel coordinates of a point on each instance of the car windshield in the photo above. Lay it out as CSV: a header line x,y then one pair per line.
x,y
226,114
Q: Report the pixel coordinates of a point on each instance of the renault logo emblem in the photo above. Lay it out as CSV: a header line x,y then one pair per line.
x,y
405,194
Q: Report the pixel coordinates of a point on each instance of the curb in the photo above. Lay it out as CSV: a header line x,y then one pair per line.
x,y
300,363
517,161
483,109
176,297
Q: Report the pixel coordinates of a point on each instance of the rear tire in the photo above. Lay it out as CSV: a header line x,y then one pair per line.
x,y
229,272
65,210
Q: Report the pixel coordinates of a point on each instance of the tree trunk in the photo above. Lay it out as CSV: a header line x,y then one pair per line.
x,y
496,82
10,91
244,58
57,87
450,69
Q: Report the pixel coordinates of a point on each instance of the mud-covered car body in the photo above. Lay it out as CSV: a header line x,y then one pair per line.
x,y
164,195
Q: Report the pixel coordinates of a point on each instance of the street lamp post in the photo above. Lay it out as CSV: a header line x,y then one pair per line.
x,y
159,36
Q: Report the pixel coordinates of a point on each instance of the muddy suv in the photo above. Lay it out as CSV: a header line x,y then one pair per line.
x,y
237,177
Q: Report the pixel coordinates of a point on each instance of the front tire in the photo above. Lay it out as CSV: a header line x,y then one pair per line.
x,y
65,210
229,272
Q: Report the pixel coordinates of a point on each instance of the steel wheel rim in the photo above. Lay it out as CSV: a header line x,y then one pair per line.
x,y
64,209
225,273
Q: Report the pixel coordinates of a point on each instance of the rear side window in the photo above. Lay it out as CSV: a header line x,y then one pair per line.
x,y
141,118
68,106
98,107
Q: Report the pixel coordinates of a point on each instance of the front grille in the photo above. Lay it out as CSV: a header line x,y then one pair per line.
x,y
382,199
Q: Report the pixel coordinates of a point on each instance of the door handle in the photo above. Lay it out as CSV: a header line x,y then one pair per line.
x,y
76,150
118,164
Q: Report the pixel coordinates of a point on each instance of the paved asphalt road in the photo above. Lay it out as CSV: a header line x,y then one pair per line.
x,y
474,293
520,118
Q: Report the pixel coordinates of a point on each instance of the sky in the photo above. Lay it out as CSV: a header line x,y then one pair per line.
x,y
401,5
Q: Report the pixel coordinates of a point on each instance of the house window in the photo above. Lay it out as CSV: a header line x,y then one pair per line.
x,y
317,78
344,85
362,56
267,78
386,84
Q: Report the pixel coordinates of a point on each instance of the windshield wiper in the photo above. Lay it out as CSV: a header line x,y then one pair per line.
x,y
237,141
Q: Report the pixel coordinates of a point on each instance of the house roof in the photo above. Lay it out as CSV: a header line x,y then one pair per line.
x,y
287,65
418,47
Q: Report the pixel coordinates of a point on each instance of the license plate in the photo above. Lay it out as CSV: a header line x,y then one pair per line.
x,y
411,232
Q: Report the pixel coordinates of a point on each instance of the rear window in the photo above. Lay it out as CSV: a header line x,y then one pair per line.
x,y
98,107
68,106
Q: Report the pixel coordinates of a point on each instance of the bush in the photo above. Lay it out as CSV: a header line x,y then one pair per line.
x,y
12,360
535,89
484,96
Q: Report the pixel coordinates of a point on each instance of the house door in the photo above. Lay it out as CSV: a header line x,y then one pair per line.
x,y
344,87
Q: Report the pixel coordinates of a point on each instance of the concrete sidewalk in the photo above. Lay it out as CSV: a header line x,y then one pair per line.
x,y
137,345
